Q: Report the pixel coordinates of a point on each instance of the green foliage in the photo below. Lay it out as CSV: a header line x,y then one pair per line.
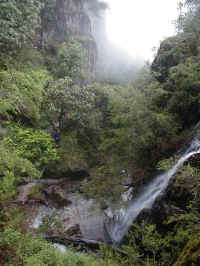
x,y
105,183
72,156
18,22
190,253
13,169
183,85
66,103
104,129
51,225
149,247
187,188
150,124
149,244
27,250
28,60
189,20
34,145
66,60
48,15
21,93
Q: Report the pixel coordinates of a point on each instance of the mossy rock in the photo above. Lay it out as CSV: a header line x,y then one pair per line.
x,y
173,51
191,253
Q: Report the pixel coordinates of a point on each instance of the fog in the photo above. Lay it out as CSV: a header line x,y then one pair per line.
x,y
127,32
138,26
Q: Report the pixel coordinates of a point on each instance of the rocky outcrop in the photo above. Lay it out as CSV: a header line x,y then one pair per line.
x,y
57,195
29,192
69,21
82,244
74,230
173,51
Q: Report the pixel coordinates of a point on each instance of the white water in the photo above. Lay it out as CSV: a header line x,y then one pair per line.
x,y
83,212
60,248
124,217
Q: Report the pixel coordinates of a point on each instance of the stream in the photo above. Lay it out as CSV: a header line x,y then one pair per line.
x,y
111,226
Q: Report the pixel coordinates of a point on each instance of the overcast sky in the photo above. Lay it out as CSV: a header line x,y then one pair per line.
x,y
139,25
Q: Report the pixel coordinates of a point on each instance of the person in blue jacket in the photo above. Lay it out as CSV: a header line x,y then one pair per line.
x,y
56,136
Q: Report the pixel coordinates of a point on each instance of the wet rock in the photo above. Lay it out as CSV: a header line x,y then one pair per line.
x,y
74,231
140,176
50,181
103,205
66,219
83,218
24,192
71,228
145,215
128,181
58,196
73,186
38,197
161,210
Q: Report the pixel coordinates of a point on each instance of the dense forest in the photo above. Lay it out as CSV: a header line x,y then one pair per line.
x,y
60,119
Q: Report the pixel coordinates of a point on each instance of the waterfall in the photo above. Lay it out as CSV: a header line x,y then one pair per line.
x,y
124,217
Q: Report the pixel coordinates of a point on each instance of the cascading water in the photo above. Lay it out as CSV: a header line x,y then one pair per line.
x,y
124,217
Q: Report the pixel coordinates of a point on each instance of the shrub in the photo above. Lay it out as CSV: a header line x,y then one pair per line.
x,y
13,168
34,145
21,93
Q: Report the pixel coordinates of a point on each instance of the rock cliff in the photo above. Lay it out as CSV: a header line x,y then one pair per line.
x,y
172,51
65,20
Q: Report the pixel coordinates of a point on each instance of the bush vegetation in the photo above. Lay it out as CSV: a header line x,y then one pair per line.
x,y
105,129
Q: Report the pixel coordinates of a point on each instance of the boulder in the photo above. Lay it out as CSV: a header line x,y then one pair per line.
x,y
161,210
74,231
70,227
127,181
57,195
38,197
24,192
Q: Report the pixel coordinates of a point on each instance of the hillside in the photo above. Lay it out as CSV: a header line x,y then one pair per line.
x,y
75,135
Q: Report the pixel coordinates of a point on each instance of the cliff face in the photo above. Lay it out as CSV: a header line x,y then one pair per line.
x,y
67,20
84,21
70,21
173,51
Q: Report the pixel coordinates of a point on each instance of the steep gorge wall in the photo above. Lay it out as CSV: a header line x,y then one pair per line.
x,y
85,21
70,21
67,20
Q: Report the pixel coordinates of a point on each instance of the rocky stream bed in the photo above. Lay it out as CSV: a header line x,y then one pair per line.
x,y
57,207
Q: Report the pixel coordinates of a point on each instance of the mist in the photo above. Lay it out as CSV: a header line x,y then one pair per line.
x,y
114,64
127,32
